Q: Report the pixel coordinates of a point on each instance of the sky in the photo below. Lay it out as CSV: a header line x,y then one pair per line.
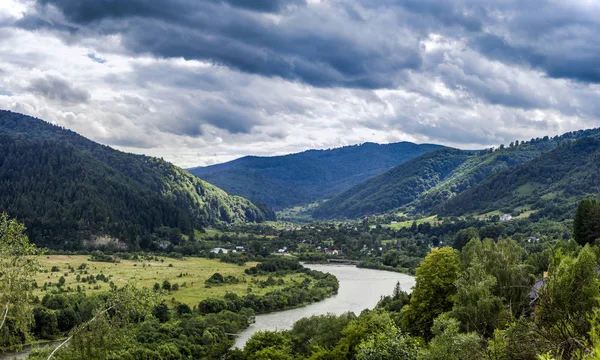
x,y
202,82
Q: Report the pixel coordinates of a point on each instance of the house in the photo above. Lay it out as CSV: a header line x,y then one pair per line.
x,y
218,250
240,248
283,250
506,217
534,293
331,252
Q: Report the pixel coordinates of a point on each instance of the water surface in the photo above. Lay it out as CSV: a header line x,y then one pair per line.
x,y
359,289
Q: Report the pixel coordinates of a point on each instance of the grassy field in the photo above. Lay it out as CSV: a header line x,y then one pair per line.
x,y
146,273
402,224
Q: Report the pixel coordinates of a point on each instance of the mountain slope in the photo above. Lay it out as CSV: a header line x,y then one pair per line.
x,y
394,188
389,192
67,189
283,181
551,184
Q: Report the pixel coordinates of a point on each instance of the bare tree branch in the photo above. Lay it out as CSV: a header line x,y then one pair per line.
x,y
85,325
5,314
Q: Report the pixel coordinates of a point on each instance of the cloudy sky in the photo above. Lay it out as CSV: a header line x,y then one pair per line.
x,y
199,82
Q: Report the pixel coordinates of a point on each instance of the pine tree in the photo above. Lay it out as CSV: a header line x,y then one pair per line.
x,y
586,225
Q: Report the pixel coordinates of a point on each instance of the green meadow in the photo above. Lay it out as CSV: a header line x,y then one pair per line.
x,y
189,274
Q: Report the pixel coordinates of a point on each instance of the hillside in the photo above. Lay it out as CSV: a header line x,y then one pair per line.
x,y
284,181
394,188
550,185
67,189
416,189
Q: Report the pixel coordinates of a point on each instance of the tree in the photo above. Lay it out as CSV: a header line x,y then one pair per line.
x,y
504,261
166,285
161,312
568,300
268,345
463,236
475,306
390,344
18,266
586,225
433,291
450,344
110,329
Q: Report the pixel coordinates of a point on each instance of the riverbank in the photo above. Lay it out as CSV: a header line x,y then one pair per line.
x,y
382,267
359,289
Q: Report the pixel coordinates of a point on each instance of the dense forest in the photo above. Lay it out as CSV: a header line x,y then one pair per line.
x,y
552,183
430,194
68,189
284,181
394,188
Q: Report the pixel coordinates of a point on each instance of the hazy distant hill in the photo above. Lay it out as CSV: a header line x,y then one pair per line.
x,y
436,184
66,189
282,181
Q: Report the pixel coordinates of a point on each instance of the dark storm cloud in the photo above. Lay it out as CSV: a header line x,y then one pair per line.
x,y
303,46
57,89
555,37
262,5
191,116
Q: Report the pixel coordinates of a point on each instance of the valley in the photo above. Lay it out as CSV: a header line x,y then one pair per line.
x,y
135,246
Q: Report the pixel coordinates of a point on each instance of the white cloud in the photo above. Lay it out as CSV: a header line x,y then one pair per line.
x,y
197,112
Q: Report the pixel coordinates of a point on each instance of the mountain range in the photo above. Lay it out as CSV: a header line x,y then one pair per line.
x,y
67,189
70,191
535,177
309,176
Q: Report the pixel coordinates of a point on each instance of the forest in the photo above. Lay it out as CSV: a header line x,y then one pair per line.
x,y
489,293
531,175
67,190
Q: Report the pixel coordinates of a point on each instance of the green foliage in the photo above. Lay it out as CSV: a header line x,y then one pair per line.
x,y
316,287
504,261
268,345
315,333
389,344
586,225
475,306
63,186
284,181
555,180
394,188
18,265
433,292
161,312
567,302
166,285
450,344
463,236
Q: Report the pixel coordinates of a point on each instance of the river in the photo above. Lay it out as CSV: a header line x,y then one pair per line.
x,y
359,289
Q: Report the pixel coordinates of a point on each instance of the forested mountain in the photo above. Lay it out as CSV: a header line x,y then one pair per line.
x,y
283,181
394,188
552,184
67,189
417,189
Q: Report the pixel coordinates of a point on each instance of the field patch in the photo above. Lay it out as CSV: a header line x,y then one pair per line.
x,y
189,274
